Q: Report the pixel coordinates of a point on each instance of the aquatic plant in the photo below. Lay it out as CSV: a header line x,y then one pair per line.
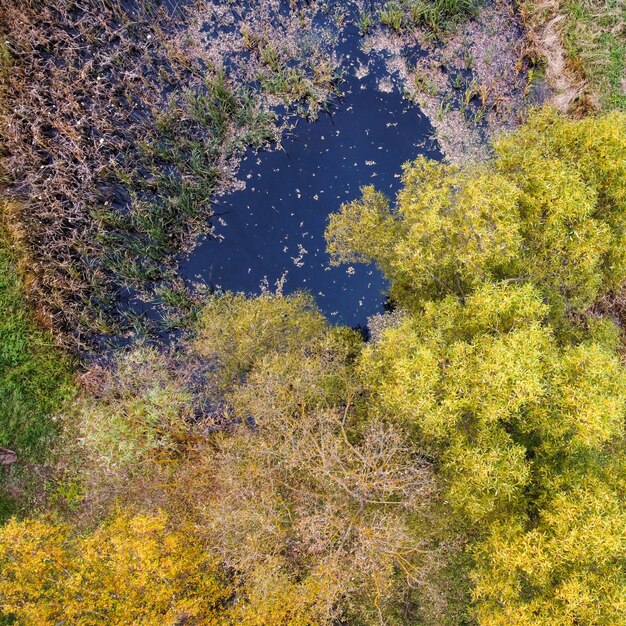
x,y
441,15
113,179
438,16
393,16
366,22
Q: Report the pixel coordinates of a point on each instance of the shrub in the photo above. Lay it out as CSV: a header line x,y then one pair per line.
x,y
488,389
236,331
567,569
547,210
325,517
140,411
316,514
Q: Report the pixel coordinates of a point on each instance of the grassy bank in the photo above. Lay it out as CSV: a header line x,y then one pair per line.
x,y
590,35
34,381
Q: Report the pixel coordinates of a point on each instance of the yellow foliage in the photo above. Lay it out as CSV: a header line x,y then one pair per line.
x,y
461,227
548,209
318,522
487,386
130,570
569,570
235,330
365,229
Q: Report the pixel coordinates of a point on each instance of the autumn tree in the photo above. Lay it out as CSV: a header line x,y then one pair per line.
x,y
318,513
548,209
132,569
509,382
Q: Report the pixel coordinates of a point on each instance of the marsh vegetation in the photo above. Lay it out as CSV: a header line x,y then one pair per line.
x,y
171,453
131,118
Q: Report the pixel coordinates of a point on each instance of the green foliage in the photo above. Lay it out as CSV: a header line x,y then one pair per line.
x,y
466,465
364,230
576,208
280,384
366,22
522,426
393,16
5,68
307,81
141,414
548,210
172,179
315,513
440,15
436,15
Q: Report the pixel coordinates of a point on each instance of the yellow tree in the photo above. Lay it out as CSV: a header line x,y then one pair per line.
x,y
547,209
132,569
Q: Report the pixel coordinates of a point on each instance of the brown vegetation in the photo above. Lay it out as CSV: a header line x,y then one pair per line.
x,y
119,124
542,21
472,83
86,83
583,47
113,142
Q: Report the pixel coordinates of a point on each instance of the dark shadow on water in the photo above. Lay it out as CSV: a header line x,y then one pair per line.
x,y
273,230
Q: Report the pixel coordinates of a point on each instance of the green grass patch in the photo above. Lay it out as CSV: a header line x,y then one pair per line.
x,y
35,380
438,16
441,15
34,376
595,40
594,36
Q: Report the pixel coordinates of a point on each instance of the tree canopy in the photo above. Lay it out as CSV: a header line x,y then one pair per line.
x,y
547,209
466,465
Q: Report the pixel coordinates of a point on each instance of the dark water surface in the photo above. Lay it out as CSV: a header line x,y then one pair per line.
x,y
273,230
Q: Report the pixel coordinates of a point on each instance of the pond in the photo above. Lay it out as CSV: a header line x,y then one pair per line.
x,y
272,232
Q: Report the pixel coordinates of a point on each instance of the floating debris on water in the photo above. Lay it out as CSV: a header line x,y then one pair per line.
x,y
321,165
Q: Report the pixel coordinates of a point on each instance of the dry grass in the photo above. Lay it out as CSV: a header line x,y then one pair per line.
x,y
472,84
114,141
583,46
120,127
86,82
543,22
